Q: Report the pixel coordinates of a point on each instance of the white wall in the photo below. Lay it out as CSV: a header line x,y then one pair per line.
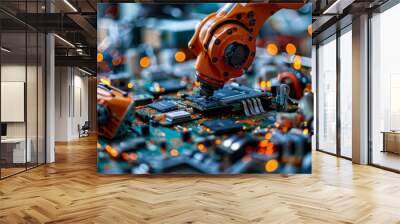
x,y
13,73
71,102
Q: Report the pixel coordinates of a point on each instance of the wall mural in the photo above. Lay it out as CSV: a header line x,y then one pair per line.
x,y
204,88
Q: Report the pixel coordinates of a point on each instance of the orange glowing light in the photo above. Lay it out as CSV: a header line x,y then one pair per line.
x,y
145,62
100,57
305,131
125,156
174,152
297,62
264,143
308,88
130,85
264,85
201,147
111,151
309,29
268,136
133,156
218,141
290,49
180,56
270,150
272,49
271,165
108,148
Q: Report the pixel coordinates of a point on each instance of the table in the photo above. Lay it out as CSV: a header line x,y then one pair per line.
x,y
391,141
18,150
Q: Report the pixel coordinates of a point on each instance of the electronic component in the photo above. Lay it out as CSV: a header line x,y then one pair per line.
x,y
178,116
186,162
131,145
204,104
246,99
163,106
255,163
234,148
186,136
145,130
222,126
163,145
143,99
282,96
234,93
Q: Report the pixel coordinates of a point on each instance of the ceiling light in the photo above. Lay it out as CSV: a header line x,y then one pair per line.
x,y
337,7
65,41
84,71
70,5
333,6
5,50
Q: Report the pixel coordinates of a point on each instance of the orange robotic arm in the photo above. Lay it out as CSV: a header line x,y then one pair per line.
x,y
225,41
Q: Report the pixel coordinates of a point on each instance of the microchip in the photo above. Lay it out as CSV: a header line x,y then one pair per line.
x,y
205,104
222,126
167,86
226,93
234,93
178,116
163,106
227,96
143,99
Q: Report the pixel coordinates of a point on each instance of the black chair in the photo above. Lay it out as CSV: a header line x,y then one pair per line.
x,y
84,129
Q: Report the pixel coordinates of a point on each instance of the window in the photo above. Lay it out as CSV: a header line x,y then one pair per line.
x,y
385,89
346,93
22,77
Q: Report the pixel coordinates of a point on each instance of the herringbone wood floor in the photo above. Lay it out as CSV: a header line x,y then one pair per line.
x,y
70,191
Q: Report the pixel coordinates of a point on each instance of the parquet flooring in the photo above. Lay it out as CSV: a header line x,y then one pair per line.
x,y
70,191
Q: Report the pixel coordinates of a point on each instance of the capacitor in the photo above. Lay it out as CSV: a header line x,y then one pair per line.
x,y
186,136
163,145
145,129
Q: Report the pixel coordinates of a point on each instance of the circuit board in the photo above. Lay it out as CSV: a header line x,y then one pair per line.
x,y
184,132
153,118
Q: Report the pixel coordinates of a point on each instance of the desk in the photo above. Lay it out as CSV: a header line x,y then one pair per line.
x,y
18,150
391,141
